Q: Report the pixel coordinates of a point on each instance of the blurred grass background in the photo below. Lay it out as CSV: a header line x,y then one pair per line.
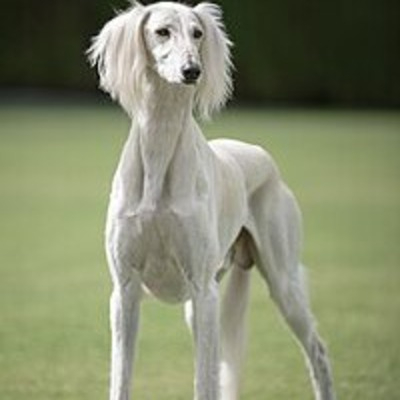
x,y
56,163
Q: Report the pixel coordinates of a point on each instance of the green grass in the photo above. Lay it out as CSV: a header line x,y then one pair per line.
x,y
56,165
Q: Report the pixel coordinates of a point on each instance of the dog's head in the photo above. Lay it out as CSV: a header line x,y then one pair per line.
x,y
182,45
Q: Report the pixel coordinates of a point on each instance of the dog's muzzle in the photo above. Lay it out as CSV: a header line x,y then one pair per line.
x,y
191,74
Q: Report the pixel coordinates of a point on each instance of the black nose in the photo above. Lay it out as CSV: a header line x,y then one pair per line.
x,y
191,73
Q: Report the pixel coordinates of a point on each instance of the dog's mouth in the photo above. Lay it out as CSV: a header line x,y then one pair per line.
x,y
190,81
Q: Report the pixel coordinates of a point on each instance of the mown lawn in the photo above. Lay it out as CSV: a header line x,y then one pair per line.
x,y
56,164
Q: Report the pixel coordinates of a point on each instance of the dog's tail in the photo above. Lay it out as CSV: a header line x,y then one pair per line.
x,y
233,331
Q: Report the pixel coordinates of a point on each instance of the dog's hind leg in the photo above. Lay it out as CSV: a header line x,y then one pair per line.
x,y
233,318
276,220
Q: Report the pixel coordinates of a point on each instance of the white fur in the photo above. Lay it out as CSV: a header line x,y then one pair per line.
x,y
183,212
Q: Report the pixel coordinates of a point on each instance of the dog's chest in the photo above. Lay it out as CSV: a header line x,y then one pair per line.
x,y
164,248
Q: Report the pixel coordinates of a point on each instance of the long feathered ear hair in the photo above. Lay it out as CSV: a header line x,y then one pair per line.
x,y
120,55
215,86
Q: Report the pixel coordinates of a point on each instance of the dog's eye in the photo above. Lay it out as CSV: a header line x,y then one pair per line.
x,y
163,32
197,33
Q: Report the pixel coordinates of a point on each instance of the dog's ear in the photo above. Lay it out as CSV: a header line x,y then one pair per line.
x,y
215,86
120,55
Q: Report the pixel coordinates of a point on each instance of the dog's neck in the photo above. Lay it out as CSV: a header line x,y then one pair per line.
x,y
164,127
165,105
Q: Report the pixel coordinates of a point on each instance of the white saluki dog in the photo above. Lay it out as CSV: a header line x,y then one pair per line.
x,y
184,211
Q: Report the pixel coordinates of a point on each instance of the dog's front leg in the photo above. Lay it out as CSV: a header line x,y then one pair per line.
x,y
206,336
124,308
